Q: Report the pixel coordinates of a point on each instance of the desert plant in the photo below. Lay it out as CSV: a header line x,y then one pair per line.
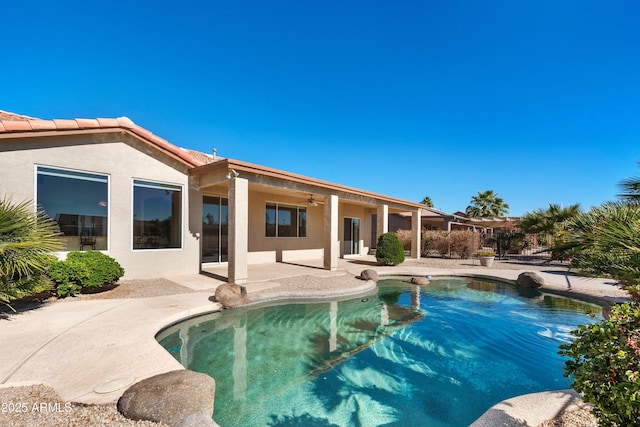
x,y
435,240
84,270
606,355
463,242
405,238
389,250
486,253
550,225
606,241
27,239
606,365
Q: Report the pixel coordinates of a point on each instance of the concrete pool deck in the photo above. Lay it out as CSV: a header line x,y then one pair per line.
x,y
90,351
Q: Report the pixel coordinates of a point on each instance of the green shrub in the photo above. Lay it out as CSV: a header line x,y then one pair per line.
x,y
606,368
68,277
102,268
84,270
389,250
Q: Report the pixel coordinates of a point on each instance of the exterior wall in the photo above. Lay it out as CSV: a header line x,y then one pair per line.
x,y
282,248
123,158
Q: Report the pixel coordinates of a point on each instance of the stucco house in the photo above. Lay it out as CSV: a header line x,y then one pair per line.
x,y
163,210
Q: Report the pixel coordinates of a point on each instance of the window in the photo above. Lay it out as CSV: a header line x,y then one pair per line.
x,y
78,201
285,221
157,215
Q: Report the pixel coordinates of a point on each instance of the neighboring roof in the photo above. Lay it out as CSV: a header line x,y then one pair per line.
x,y
16,125
5,115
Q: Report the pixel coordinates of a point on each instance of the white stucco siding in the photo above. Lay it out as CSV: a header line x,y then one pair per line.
x,y
122,158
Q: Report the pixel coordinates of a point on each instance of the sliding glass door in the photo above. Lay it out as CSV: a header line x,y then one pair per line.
x,y
351,236
215,229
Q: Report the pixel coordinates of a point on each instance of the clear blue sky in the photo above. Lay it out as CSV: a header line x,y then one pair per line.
x,y
538,101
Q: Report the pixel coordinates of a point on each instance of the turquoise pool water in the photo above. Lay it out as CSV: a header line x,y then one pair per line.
x,y
438,355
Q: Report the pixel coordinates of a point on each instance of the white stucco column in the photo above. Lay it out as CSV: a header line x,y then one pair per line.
x,y
416,234
238,230
330,238
333,325
239,361
382,221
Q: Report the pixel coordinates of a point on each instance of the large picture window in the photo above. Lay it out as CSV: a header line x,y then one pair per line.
x,y
157,215
285,220
78,201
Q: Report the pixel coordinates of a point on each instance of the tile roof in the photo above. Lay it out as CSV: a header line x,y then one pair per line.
x,y
11,123
5,115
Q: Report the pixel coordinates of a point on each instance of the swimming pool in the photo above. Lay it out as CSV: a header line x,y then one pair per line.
x,y
437,355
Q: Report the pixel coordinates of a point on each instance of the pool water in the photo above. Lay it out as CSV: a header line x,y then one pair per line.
x,y
437,355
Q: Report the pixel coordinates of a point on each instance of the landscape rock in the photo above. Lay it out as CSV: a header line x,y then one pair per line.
x,y
169,397
197,419
369,274
231,295
530,279
420,281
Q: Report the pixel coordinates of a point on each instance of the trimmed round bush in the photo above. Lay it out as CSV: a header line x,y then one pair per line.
x,y
389,250
84,270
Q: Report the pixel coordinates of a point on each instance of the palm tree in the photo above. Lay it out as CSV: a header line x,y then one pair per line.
x,y
631,188
608,239
487,203
551,222
27,239
427,202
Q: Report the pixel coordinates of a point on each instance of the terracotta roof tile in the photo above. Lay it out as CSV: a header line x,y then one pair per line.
x,y
202,157
87,123
14,123
6,115
108,123
65,124
42,125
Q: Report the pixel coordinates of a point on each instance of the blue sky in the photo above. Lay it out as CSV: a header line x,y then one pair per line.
x,y
538,101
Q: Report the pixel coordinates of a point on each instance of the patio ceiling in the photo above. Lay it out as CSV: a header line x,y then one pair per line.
x,y
274,181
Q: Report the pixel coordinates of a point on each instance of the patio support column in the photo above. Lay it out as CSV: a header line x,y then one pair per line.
x,y
416,228
382,221
331,242
238,230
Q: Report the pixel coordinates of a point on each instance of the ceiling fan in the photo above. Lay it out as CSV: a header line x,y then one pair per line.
x,y
313,202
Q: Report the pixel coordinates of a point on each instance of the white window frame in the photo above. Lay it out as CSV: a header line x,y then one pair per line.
x,y
153,183
36,168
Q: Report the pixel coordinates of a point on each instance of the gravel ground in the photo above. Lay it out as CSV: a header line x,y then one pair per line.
x,y
23,406
40,406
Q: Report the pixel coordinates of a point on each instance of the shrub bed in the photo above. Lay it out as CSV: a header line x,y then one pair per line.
x,y
83,271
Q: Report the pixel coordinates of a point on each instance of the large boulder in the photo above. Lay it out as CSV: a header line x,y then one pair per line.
x,y
530,279
420,281
369,274
168,398
231,295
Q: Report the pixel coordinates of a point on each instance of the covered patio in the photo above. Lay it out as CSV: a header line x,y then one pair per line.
x,y
268,215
